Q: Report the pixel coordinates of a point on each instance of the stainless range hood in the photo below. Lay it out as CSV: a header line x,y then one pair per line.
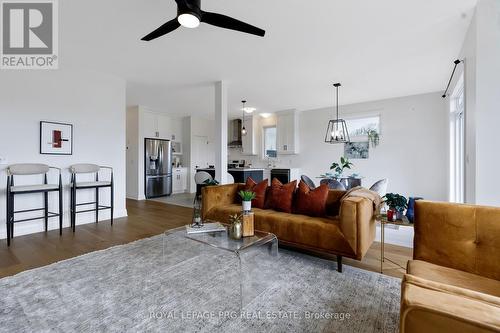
x,y
234,133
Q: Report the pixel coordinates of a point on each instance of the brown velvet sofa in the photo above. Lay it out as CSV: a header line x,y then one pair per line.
x,y
348,230
453,283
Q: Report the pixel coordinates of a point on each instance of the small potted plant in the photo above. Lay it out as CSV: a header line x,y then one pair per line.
x,y
247,197
235,228
397,204
338,168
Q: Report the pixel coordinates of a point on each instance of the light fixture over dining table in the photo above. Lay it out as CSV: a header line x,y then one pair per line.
x,y
336,131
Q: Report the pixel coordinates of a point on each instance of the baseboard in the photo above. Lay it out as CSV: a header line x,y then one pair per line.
x,y
38,226
402,236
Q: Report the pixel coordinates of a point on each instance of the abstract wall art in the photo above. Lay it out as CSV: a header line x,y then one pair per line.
x,y
56,138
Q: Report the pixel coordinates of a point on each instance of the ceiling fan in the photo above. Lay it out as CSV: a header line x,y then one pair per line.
x,y
190,15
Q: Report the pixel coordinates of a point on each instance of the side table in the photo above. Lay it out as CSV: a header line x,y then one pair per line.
x,y
382,218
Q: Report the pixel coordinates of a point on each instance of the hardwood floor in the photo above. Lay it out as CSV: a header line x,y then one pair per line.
x,y
146,219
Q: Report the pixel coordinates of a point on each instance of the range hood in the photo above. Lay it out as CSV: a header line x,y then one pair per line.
x,y
234,134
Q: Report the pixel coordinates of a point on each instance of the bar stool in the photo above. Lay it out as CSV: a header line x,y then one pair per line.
x,y
45,188
77,169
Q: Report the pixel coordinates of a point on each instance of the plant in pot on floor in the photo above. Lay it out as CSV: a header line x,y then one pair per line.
x,y
397,204
247,197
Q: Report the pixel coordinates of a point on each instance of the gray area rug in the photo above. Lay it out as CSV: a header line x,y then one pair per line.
x,y
191,287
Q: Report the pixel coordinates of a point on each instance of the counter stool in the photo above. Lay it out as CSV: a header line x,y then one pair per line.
x,y
88,185
14,191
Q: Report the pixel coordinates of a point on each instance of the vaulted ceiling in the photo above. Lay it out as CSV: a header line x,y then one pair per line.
x,y
377,49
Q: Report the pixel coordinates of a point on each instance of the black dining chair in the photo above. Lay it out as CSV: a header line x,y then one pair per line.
x,y
309,182
333,184
14,191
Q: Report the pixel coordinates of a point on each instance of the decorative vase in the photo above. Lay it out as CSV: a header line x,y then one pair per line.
x,y
247,206
391,215
399,215
410,212
236,230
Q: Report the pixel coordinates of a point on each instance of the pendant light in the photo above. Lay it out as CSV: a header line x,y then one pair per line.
x,y
243,129
337,128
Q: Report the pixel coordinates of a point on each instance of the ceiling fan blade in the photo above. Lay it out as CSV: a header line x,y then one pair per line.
x,y
163,30
227,22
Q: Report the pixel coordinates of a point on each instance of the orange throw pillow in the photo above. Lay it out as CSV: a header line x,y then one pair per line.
x,y
260,191
281,196
311,202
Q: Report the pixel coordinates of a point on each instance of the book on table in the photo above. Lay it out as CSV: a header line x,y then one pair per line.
x,y
207,227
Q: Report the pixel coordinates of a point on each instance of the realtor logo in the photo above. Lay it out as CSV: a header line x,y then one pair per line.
x,y
29,34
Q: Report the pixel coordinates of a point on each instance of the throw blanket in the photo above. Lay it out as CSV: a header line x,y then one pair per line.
x,y
362,192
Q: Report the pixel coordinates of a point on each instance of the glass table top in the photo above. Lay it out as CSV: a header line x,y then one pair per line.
x,y
222,240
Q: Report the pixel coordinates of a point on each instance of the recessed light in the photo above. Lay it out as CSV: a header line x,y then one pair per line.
x,y
265,115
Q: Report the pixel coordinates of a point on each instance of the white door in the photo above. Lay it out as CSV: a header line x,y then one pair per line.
x,y
199,157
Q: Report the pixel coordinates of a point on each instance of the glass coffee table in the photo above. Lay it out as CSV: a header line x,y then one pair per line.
x,y
255,255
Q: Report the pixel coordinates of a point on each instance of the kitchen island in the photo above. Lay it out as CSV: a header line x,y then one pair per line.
x,y
240,175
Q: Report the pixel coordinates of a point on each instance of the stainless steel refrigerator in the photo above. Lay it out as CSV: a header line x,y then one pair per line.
x,y
157,168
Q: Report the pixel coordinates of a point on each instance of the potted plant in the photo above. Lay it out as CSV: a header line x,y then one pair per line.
x,y
235,228
247,197
397,204
373,137
339,167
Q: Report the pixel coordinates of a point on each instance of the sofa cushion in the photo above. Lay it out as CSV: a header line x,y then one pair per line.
x,y
260,191
311,202
453,277
308,232
281,196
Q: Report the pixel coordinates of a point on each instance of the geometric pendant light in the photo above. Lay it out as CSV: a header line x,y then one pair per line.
x,y
337,128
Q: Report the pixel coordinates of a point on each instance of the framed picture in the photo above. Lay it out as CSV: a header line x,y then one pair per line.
x,y
360,126
357,150
56,138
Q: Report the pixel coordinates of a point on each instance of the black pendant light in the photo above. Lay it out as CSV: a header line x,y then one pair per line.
x,y
243,129
337,128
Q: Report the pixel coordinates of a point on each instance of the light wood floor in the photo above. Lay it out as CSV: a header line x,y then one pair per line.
x,y
146,219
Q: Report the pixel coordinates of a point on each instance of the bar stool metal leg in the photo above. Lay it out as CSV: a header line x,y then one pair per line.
x,y
112,198
46,206
97,199
73,203
7,220
60,206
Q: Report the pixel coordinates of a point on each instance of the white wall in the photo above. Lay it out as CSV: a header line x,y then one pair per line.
x,y
93,102
412,153
481,51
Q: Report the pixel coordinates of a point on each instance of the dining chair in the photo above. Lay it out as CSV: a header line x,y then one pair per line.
x,y
380,187
309,182
333,184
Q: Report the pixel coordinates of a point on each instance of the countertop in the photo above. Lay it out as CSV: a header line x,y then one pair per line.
x,y
235,169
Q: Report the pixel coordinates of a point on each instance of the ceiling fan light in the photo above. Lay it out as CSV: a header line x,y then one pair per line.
x,y
188,20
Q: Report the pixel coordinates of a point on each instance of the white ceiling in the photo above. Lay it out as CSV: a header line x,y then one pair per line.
x,y
376,49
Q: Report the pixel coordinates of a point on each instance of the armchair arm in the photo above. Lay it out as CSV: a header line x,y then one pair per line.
x,y
357,223
217,196
431,307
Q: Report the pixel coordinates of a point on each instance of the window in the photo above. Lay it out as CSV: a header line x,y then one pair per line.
x,y
359,127
270,142
457,142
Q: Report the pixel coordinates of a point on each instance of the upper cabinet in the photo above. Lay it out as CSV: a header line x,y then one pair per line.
x,y
287,132
249,141
158,125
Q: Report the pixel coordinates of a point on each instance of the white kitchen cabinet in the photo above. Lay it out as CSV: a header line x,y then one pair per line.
x,y
287,132
267,175
157,125
249,144
149,124
179,180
